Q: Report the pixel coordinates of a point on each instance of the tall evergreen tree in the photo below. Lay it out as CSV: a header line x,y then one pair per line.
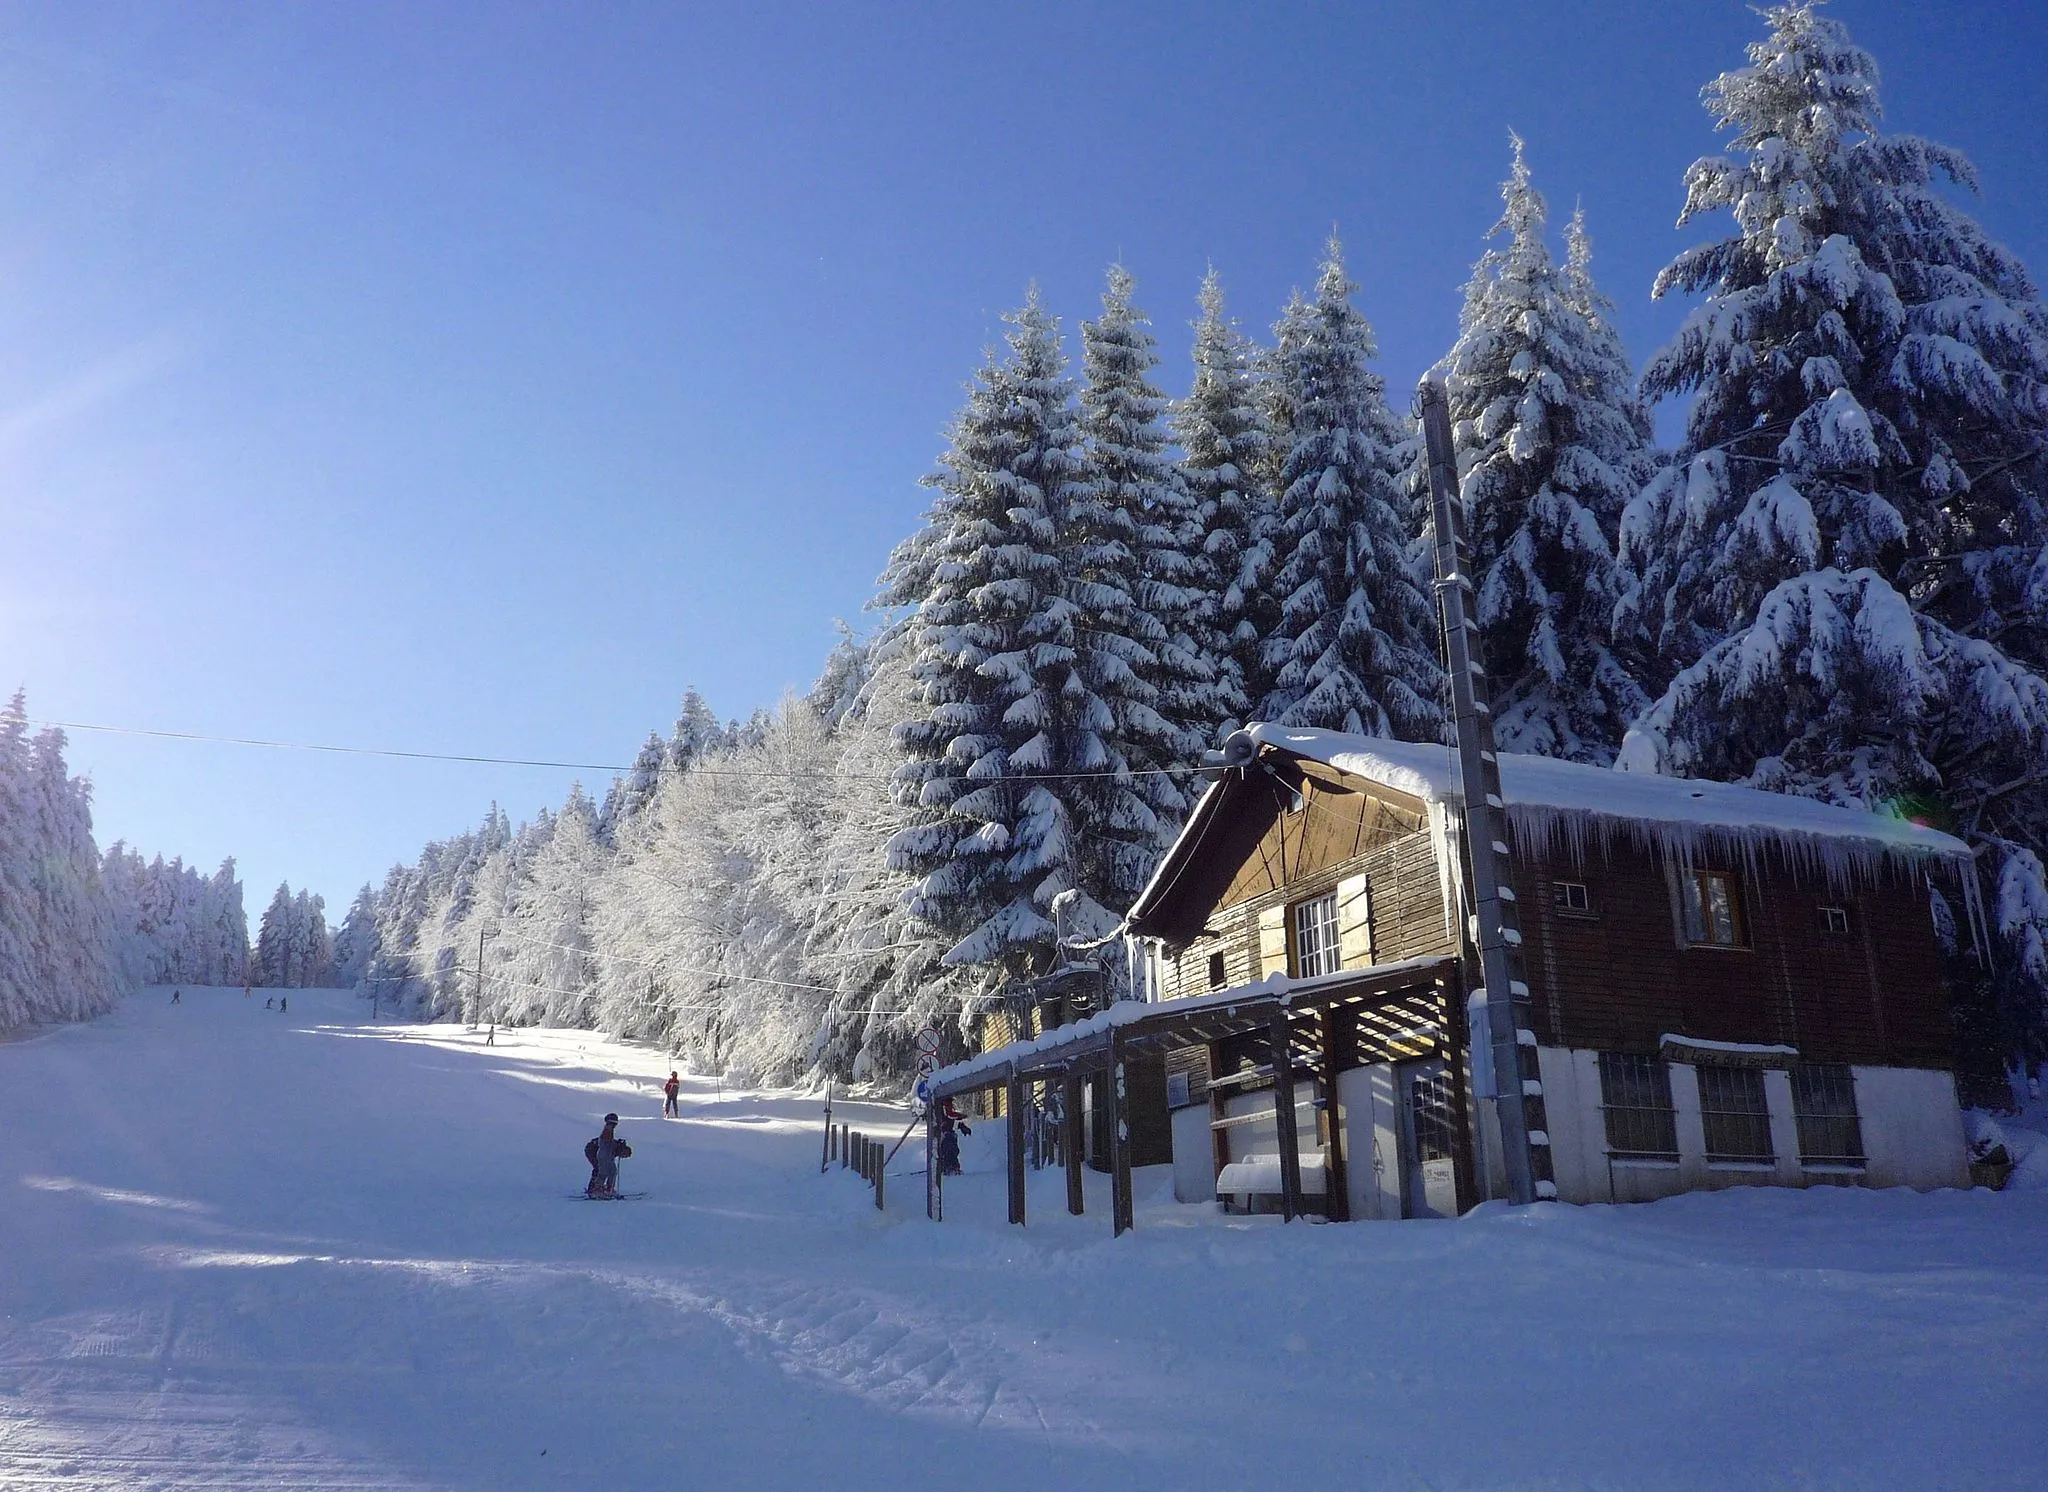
x,y
1840,566
1226,448
1137,547
1021,750
1551,447
1356,645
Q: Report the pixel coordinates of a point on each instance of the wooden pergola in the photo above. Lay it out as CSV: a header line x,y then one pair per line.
x,y
1311,1029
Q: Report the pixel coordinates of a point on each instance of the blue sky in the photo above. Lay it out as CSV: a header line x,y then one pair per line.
x,y
476,378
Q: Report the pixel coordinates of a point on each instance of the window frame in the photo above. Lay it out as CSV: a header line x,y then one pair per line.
x,y
1219,972
1720,1119
1622,1122
1828,915
1695,897
1303,915
1836,1117
1560,899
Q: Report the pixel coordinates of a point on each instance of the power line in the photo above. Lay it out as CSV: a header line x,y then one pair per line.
x,y
515,761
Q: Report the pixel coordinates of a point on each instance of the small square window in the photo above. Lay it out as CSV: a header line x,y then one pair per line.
x,y
1315,937
1178,1087
1712,902
1216,971
1835,920
1571,896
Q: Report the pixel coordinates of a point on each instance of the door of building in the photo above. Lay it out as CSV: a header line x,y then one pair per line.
x,y
1429,1130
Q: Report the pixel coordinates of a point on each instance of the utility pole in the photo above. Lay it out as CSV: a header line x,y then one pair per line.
x,y
476,1011
1496,924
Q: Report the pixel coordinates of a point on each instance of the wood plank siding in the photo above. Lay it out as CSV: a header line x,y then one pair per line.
x,y
1333,838
1618,975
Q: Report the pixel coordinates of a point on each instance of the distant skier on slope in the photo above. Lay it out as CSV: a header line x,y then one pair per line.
x,y
604,1154
284,1002
669,1090
176,995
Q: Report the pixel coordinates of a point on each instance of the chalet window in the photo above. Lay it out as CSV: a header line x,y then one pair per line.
x,y
1635,1095
1735,1115
1315,937
1571,896
1216,970
1834,920
1824,1106
1178,1086
1712,902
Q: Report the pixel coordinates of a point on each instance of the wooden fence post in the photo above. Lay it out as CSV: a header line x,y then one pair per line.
x,y
1070,1137
1013,1105
1120,1207
1279,1046
881,1175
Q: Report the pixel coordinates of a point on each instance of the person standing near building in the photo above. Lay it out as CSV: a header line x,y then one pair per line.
x,y
669,1090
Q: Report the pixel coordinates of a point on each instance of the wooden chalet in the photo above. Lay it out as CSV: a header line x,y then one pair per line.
x,y
1727,987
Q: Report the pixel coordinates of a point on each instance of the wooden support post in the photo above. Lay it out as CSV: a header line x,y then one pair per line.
x,y
1280,1050
1119,1138
845,1153
881,1174
1070,1137
1456,1049
931,1161
1337,1199
1013,1114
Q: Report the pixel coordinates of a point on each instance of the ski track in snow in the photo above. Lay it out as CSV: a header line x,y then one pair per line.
x,y
245,1250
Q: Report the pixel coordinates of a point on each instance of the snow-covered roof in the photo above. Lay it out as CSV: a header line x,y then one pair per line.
x,y
1558,802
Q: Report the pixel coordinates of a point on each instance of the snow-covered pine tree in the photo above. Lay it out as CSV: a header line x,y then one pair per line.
x,y
1842,566
1006,708
697,731
635,790
1226,448
1143,586
355,945
77,973
277,941
1551,444
1356,645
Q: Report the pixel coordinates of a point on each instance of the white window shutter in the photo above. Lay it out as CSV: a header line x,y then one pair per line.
x,y
1272,941
1354,922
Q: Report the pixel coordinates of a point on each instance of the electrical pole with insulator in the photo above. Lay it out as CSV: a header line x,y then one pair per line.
x,y
1495,922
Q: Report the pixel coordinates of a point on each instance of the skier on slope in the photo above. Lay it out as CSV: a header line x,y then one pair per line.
x,y
669,1090
604,1154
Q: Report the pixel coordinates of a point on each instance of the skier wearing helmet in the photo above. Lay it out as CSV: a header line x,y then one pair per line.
x,y
604,1154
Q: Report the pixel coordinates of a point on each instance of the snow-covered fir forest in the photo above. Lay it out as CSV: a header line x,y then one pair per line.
x,y
1836,585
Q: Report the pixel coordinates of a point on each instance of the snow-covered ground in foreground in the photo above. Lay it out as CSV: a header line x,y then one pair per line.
x,y
245,1249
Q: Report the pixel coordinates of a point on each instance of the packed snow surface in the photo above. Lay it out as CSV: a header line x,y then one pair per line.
x,y
247,1249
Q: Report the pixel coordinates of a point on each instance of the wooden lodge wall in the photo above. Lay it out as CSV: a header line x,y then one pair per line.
x,y
1333,837
1616,978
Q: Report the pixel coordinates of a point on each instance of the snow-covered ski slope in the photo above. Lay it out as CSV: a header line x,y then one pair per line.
x,y
245,1249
